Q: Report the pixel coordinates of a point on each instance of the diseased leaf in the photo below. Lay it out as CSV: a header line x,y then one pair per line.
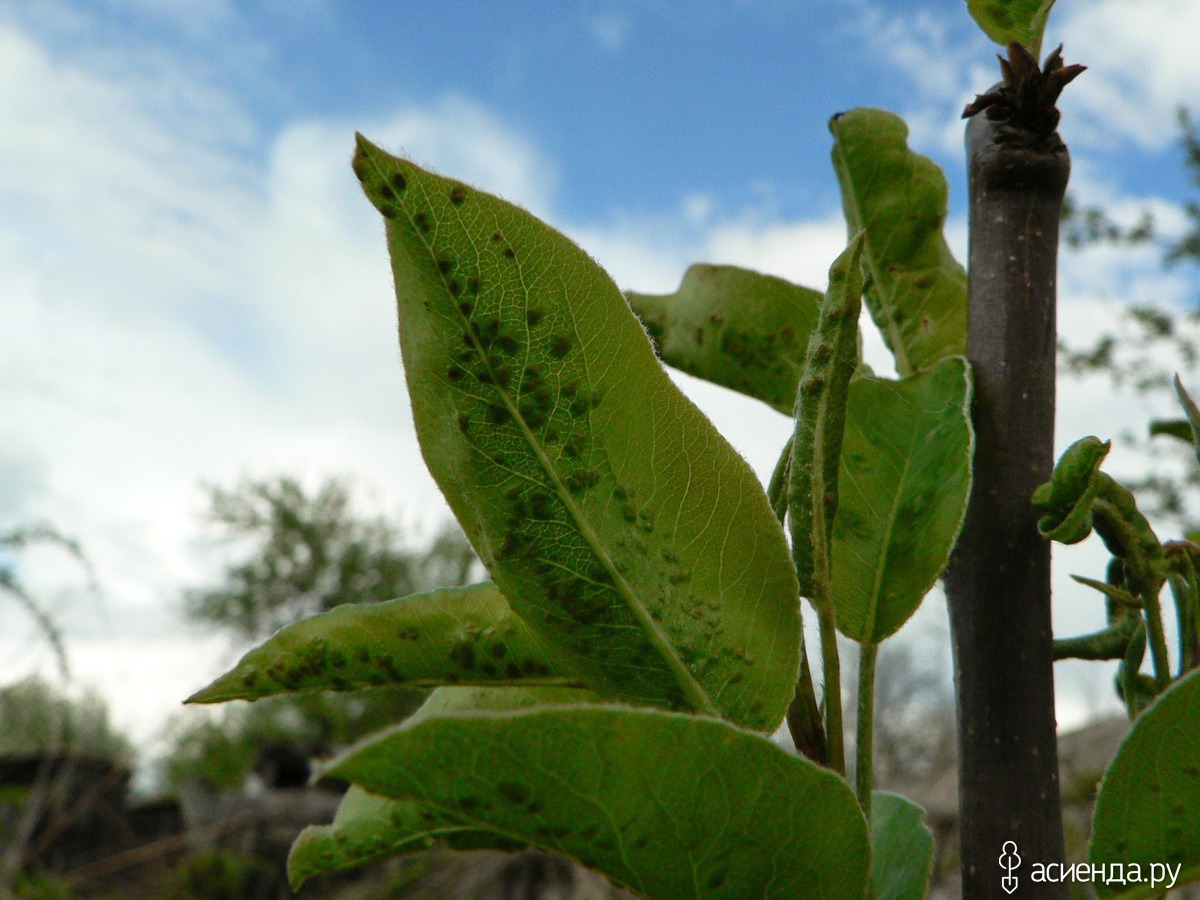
x,y
1148,809
915,289
903,488
622,528
455,635
901,848
820,420
736,328
668,805
1003,21
369,828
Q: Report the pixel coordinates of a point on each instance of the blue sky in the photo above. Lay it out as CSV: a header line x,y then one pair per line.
x,y
194,290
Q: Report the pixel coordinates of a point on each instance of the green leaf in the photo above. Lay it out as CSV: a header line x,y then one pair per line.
x,y
369,828
736,328
668,805
820,420
622,528
1069,497
915,289
1148,809
901,848
1023,21
1176,428
455,635
903,489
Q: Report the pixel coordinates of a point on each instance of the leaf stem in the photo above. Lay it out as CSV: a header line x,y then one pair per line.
x,y
833,686
1158,641
777,488
865,730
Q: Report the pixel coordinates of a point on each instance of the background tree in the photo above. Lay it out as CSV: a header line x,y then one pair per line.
x,y
302,552
309,552
13,542
1150,343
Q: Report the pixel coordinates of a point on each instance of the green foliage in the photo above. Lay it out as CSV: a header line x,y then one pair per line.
x,y
575,780
635,559
915,289
454,635
1146,811
42,719
736,328
1023,21
906,477
901,848
558,439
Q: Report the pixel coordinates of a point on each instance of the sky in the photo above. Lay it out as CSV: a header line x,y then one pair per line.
x,y
193,290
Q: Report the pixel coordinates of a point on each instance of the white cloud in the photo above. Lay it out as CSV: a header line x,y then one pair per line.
x,y
1142,63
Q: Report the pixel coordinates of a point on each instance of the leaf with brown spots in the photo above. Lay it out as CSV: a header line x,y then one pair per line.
x,y
635,543
452,636
667,805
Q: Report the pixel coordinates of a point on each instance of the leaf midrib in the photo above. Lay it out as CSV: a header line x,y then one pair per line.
x,y
692,690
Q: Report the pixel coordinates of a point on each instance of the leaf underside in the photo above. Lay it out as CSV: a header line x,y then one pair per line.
x,y
915,290
736,328
902,494
668,805
623,529
1148,808
454,635
369,828
1023,21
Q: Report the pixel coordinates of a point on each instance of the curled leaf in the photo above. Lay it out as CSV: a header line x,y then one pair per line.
x,y
915,290
1068,496
736,328
820,423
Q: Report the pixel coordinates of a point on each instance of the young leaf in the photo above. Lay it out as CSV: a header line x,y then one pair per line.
x,y
455,635
915,290
1023,21
736,328
625,531
902,494
1068,498
668,805
901,848
820,421
1148,809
